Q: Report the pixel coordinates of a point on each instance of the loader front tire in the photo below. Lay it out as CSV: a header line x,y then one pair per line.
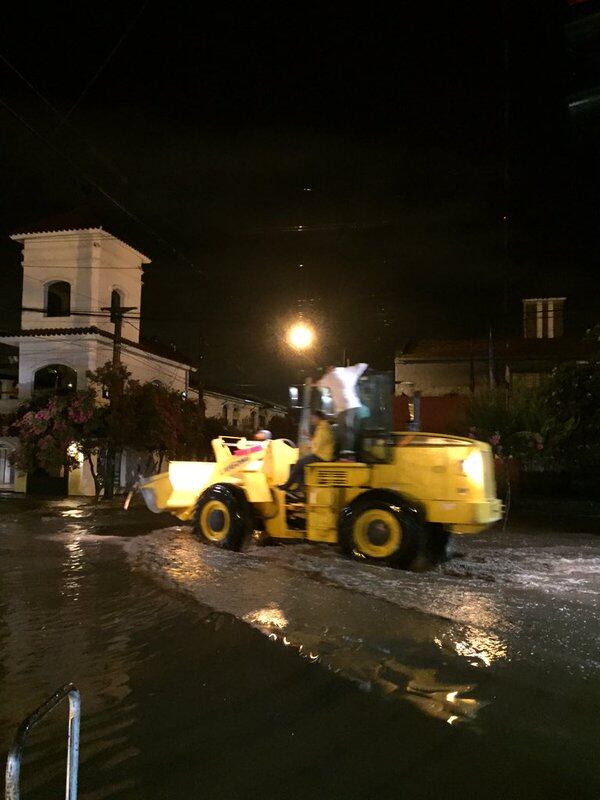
x,y
377,530
222,516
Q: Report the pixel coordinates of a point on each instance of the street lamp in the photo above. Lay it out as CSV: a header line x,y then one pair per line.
x,y
300,336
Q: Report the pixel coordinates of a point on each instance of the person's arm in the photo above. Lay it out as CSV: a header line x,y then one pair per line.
x,y
353,373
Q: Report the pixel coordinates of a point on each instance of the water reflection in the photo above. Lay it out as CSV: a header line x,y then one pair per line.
x,y
61,622
267,618
480,647
73,566
371,668
381,646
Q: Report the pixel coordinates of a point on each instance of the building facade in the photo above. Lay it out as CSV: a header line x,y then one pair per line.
x,y
242,413
71,279
434,379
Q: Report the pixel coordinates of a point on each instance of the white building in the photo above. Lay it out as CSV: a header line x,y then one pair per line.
x,y
69,277
243,413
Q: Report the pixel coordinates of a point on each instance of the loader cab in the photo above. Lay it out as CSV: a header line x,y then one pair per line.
x,y
375,441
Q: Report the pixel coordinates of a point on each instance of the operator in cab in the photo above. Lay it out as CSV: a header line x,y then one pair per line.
x,y
322,448
341,383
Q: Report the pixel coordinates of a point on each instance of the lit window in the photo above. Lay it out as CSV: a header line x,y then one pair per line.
x,y
543,318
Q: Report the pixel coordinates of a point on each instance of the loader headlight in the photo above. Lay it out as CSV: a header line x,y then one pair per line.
x,y
472,467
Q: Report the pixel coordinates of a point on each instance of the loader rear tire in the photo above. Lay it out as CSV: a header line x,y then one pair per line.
x,y
222,516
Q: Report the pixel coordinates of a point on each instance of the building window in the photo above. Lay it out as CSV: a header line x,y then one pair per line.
x,y
225,412
55,378
58,299
543,318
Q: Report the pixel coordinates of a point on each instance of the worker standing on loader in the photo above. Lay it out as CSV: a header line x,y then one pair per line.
x,y
341,383
322,448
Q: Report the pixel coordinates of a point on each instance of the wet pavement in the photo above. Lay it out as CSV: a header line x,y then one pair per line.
x,y
283,671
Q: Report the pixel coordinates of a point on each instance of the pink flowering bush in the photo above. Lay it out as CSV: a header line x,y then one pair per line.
x,y
45,433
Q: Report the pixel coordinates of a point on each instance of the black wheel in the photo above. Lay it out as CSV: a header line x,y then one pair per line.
x,y
380,531
436,544
223,516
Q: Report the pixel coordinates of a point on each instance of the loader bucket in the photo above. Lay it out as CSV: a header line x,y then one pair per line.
x,y
177,490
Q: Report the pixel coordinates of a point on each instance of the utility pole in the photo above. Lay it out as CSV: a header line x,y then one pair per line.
x,y
117,312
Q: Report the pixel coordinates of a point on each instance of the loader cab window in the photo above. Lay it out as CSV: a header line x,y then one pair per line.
x,y
375,438
375,391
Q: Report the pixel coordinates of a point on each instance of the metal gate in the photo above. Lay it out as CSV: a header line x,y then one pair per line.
x,y
15,754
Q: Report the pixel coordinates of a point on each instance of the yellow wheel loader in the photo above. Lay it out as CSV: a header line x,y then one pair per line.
x,y
408,492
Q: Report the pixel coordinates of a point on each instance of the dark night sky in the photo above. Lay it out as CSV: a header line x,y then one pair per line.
x,y
209,125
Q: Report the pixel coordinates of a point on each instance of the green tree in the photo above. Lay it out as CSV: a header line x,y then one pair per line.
x,y
572,403
284,427
515,424
54,431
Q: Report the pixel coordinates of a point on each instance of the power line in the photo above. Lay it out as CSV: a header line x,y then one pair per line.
x,y
106,61
63,120
164,370
92,182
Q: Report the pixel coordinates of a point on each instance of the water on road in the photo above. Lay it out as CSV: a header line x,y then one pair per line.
x,y
283,671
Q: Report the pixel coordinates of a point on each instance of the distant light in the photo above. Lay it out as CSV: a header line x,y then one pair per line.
x,y
307,189
301,336
300,227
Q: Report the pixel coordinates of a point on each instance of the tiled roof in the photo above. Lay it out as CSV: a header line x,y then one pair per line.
x,y
92,329
513,349
246,398
78,220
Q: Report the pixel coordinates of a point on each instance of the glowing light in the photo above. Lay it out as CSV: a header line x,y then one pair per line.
x,y
472,466
451,719
301,336
271,617
451,696
74,451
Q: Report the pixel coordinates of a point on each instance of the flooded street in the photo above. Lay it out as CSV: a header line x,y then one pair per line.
x,y
285,671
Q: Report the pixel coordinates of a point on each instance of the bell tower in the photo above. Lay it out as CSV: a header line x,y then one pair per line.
x,y
69,275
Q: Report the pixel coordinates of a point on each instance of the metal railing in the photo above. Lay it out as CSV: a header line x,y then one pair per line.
x,y
15,754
